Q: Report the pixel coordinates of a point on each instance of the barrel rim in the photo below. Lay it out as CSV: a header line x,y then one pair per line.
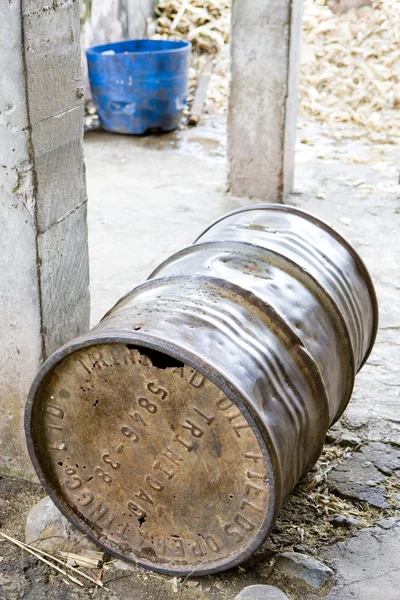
x,y
143,341
336,235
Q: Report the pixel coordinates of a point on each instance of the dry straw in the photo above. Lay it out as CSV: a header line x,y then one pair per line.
x,y
350,72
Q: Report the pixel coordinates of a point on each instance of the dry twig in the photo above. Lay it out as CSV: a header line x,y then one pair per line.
x,y
40,554
37,555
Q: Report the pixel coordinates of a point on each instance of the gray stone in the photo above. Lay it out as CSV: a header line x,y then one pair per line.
x,y
47,529
384,457
343,521
307,569
261,592
388,523
356,478
192,583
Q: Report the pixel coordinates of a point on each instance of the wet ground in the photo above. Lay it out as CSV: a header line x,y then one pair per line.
x,y
151,196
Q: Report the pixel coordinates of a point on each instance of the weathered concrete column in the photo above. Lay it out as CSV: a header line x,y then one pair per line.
x,y
137,13
265,45
44,298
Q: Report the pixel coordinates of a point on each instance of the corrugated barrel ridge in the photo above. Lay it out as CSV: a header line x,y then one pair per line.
x,y
317,248
294,294
273,312
247,341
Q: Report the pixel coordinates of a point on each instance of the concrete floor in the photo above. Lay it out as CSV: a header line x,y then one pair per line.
x,y
148,198
151,196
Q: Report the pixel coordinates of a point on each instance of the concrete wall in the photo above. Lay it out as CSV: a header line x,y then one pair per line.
x,y
44,298
265,47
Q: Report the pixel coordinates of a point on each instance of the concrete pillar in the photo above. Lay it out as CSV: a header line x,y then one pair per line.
x,y
265,48
44,298
137,12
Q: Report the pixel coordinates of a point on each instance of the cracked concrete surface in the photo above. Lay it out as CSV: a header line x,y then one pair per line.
x,y
368,565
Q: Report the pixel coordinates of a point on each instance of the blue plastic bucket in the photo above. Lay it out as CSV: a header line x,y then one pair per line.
x,y
139,85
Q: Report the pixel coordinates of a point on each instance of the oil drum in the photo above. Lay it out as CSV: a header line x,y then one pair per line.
x,y
172,432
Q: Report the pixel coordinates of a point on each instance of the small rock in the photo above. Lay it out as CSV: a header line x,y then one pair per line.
x,y
356,478
261,592
309,570
387,524
47,529
192,583
385,457
343,437
342,521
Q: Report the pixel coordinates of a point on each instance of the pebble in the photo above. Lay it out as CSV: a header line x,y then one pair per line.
x,y
261,592
47,529
343,521
385,457
388,524
303,567
358,479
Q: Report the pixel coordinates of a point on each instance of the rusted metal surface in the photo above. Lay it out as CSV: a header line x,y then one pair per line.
x,y
173,431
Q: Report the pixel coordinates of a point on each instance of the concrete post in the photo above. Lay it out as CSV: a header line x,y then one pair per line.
x,y
137,12
44,298
265,48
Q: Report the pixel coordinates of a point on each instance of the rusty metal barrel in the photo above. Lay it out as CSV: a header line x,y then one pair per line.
x,y
173,431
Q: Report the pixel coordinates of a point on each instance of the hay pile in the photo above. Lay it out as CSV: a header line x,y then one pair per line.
x,y
350,74
206,24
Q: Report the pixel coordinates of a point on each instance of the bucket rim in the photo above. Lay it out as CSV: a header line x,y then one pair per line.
x,y
175,46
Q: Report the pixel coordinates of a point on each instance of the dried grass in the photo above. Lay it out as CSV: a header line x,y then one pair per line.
x,y
350,72
306,517
206,24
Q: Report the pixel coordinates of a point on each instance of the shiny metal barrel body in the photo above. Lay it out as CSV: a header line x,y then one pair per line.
x,y
213,384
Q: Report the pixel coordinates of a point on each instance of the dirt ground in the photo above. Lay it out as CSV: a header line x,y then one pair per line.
x,y
301,526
